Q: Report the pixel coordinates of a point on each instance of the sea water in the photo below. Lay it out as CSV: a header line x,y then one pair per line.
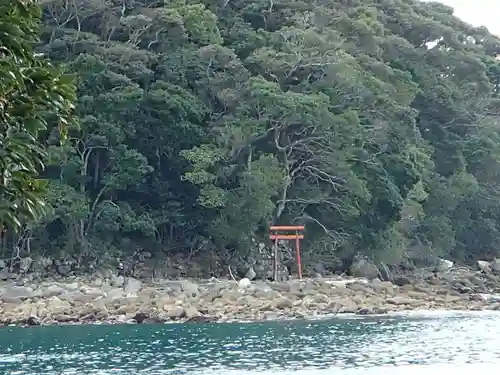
x,y
421,343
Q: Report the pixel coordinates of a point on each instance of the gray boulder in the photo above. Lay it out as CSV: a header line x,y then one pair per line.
x,y
364,268
495,266
250,275
51,291
17,292
25,264
190,289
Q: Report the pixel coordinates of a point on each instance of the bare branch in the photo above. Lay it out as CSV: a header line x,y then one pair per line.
x,y
336,236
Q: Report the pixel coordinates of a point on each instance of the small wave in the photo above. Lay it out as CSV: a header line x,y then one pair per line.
x,y
434,369
437,369
411,314
406,313
442,313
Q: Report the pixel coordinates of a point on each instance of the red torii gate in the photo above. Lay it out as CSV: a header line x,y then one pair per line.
x,y
297,237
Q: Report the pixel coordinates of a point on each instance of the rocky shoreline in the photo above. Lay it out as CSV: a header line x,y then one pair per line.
x,y
123,300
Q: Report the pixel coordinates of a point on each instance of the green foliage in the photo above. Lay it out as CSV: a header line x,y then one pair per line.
x,y
31,89
372,122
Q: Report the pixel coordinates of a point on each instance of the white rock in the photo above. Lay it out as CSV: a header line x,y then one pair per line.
x,y
445,265
244,283
490,297
132,287
483,266
115,293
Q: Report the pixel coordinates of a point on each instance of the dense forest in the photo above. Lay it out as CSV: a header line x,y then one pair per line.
x,y
199,123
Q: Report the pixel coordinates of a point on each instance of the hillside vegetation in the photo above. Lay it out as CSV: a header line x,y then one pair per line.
x,y
372,122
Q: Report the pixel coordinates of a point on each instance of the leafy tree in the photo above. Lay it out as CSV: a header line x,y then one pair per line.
x,y
372,122
32,94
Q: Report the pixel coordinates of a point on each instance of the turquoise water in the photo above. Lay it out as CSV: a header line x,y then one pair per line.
x,y
393,345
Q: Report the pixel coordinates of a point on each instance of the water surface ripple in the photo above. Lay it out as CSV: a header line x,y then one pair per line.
x,y
415,344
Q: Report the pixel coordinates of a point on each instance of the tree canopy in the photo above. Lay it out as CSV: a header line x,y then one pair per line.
x,y
201,122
